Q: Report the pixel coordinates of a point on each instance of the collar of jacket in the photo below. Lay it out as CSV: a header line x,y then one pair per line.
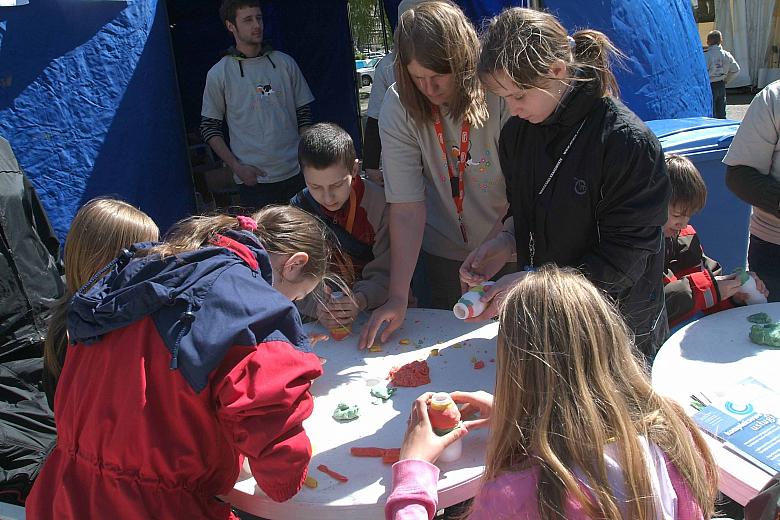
x,y
576,102
265,48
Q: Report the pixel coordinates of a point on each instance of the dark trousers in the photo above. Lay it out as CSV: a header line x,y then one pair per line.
x,y
718,99
764,260
261,195
443,278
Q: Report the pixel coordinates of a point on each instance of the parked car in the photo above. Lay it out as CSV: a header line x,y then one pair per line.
x,y
365,75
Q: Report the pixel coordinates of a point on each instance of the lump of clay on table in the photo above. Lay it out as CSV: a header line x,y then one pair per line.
x,y
382,391
345,412
759,317
768,335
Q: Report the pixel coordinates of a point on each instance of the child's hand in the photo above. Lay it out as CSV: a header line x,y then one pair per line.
x,y
474,402
495,294
727,286
741,298
486,260
420,443
316,337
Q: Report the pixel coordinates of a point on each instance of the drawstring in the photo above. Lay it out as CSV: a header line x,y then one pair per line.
x,y
269,59
241,66
186,320
124,256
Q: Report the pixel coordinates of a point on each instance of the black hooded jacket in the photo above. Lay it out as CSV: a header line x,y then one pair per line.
x,y
603,210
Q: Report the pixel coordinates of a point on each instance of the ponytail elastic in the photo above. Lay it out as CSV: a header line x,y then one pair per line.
x,y
247,223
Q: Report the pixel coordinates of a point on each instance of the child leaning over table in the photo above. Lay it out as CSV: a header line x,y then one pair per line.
x,y
692,281
356,213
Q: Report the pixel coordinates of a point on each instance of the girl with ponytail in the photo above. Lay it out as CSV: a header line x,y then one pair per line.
x,y
586,178
184,356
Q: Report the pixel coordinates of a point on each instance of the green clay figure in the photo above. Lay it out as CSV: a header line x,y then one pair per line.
x,y
760,317
345,412
383,392
768,335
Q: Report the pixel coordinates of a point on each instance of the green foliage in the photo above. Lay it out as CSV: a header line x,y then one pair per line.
x,y
366,24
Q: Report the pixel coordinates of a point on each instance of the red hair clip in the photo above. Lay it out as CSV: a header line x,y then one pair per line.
x,y
247,223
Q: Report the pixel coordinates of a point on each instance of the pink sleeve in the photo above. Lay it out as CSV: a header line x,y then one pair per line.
x,y
414,495
687,507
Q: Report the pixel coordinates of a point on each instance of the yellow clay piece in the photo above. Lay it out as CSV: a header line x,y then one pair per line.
x,y
310,482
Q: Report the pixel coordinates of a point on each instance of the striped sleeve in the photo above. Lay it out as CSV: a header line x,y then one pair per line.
x,y
210,128
303,115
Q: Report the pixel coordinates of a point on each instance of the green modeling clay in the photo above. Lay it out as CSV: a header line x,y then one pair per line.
x,y
383,392
768,335
760,317
346,412
741,275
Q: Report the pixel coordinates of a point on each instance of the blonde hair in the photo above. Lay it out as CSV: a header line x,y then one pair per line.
x,y
568,383
439,37
525,44
98,233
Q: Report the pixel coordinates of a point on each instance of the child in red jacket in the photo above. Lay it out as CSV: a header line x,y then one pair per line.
x,y
692,281
183,356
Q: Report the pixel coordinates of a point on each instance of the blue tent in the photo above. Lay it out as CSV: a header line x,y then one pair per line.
x,y
95,95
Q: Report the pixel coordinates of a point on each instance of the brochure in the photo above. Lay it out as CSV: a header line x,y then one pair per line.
x,y
745,417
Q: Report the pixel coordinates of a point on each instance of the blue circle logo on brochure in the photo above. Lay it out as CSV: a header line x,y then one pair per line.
x,y
738,409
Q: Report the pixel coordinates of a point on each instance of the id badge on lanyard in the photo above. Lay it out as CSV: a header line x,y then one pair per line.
x,y
457,185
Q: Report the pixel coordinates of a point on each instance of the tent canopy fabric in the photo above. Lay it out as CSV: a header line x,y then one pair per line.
x,y
95,95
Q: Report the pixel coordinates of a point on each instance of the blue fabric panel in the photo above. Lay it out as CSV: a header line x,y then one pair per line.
x,y
88,100
314,32
476,10
665,76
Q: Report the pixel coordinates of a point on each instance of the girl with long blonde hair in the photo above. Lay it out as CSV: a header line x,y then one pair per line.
x,y
99,231
184,355
576,430
443,181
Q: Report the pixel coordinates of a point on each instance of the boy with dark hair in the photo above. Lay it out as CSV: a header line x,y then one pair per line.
x,y
356,213
265,100
692,281
721,67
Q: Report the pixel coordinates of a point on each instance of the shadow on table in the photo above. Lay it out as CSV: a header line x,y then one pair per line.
x,y
718,341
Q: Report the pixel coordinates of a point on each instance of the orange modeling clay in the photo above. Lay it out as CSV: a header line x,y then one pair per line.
x,y
338,476
416,373
443,412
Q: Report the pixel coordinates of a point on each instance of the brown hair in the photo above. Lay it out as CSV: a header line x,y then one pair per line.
x,y
689,192
282,230
525,44
714,38
568,383
438,36
98,233
324,145
227,11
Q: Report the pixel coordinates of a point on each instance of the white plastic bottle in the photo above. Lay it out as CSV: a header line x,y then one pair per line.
x,y
752,296
469,304
445,417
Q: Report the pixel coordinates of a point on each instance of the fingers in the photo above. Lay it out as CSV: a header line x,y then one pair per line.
x,y
454,435
368,334
477,424
420,408
316,337
392,324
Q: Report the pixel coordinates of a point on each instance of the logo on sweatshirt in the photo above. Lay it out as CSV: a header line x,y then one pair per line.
x,y
580,186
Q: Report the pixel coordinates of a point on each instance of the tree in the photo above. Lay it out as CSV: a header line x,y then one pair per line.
x,y
364,18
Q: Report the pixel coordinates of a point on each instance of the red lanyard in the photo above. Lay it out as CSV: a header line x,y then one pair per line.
x,y
456,181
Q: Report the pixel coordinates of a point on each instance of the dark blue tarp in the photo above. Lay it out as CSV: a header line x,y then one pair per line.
x,y
664,78
89,102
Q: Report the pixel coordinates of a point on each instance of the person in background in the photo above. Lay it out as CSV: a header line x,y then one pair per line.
x,y
356,213
383,78
693,282
443,181
263,96
586,178
185,355
101,229
753,175
721,67
576,430
30,283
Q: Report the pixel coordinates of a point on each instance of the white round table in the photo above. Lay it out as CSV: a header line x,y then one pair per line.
x,y
713,353
349,374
